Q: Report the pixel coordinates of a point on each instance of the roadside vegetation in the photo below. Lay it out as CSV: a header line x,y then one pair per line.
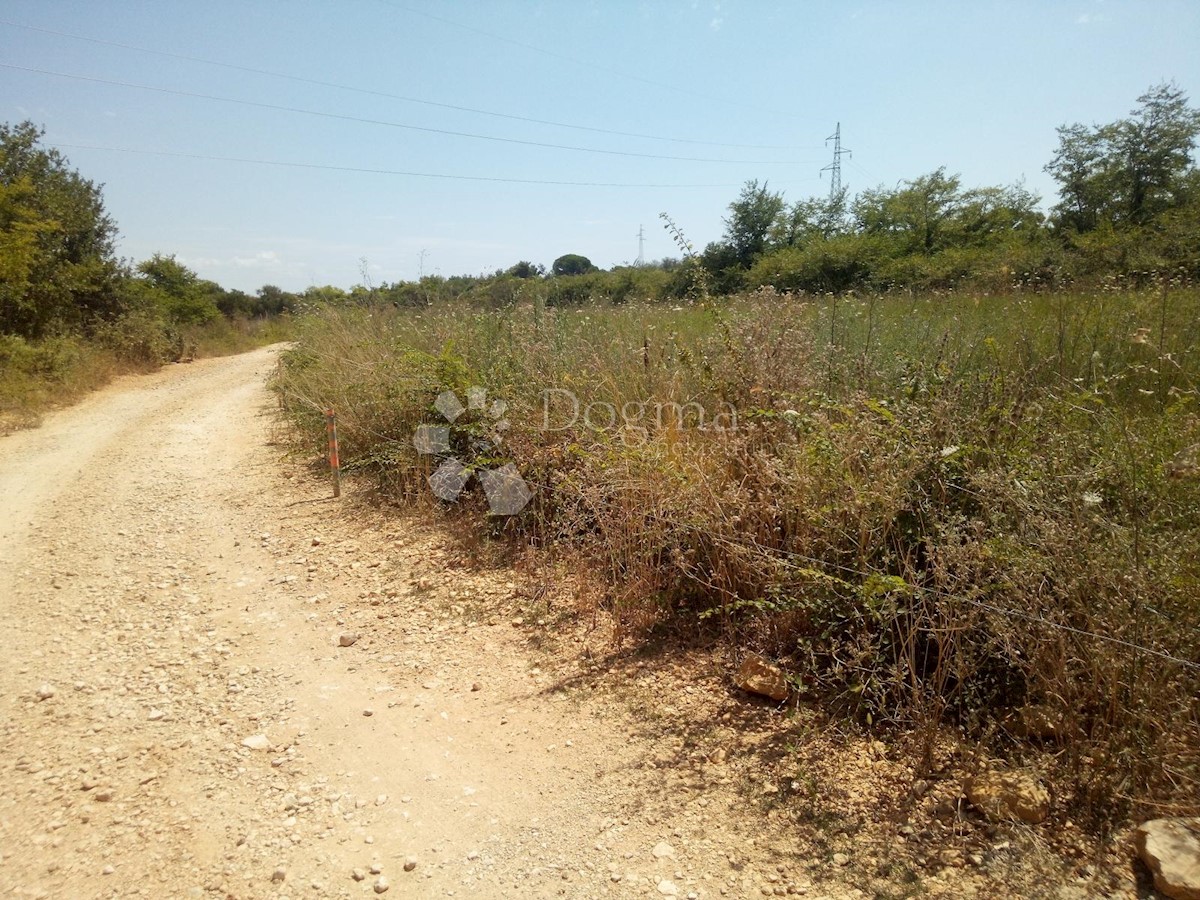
x,y
930,448
939,509
73,315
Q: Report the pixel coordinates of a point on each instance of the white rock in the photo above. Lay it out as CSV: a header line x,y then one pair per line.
x,y
667,888
663,850
257,742
46,691
1171,850
382,885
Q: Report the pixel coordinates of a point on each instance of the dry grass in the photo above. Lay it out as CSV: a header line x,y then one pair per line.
x,y
937,509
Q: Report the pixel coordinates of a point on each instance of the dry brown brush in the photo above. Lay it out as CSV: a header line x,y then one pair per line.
x,y
954,509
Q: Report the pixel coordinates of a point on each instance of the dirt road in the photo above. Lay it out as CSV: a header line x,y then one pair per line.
x,y
178,717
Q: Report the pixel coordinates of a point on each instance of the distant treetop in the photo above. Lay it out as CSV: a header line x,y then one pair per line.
x,y
572,264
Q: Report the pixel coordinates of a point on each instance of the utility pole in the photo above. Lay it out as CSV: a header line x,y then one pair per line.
x,y
835,167
641,257
421,276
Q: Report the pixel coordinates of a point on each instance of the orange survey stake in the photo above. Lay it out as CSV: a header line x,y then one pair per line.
x,y
334,465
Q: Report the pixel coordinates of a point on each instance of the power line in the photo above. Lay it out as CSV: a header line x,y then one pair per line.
x,y
346,87
860,168
346,118
573,60
368,171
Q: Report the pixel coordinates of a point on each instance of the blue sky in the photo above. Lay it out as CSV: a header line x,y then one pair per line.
x,y
977,87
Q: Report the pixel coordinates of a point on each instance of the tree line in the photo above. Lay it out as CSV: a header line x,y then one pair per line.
x,y
1129,204
59,272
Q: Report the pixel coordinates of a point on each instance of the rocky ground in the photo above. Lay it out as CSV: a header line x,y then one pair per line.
x,y
218,682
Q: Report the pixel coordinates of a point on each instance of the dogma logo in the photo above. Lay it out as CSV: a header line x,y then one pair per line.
x,y
507,493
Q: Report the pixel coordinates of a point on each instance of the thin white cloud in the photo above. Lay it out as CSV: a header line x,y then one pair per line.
x,y
265,259
200,262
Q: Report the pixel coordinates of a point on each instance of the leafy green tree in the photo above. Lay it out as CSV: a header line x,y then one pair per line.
x,y
932,213
21,230
572,264
176,291
419,293
751,218
1128,172
817,218
1177,237
235,303
1085,178
914,216
724,265
324,295
526,269
56,240
274,301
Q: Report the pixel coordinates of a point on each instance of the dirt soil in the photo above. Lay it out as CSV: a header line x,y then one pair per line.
x,y
179,716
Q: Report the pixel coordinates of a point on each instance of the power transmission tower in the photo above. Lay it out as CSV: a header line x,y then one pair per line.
x,y
835,167
641,257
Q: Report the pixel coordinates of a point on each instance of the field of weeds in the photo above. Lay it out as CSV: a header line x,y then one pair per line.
x,y
973,511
